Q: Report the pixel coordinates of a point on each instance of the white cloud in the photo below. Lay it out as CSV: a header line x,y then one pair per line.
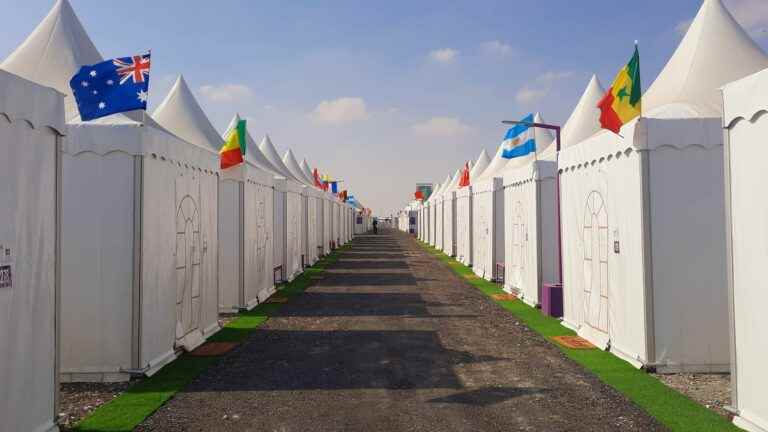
x,y
340,111
751,14
527,95
530,94
550,77
441,127
497,47
444,55
226,93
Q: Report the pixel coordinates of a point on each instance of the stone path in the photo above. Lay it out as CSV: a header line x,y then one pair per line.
x,y
391,340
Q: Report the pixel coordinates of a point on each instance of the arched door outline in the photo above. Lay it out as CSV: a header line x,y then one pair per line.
x,y
519,252
595,241
188,267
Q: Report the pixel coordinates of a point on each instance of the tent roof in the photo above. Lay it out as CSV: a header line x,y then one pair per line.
x,y
293,167
269,151
252,152
307,171
715,50
480,165
54,52
454,181
585,118
181,114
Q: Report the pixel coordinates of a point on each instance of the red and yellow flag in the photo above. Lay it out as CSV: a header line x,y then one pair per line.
x,y
231,153
622,102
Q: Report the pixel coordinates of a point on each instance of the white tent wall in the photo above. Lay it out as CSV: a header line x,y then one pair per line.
x,y
280,228
31,124
314,225
449,223
464,225
659,300
139,224
746,125
294,231
531,255
245,238
327,223
487,227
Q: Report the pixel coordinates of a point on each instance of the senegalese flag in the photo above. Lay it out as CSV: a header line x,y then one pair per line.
x,y
622,102
231,153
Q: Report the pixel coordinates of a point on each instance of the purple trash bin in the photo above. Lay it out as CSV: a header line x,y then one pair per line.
x,y
552,300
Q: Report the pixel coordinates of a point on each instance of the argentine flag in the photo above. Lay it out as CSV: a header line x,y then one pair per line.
x,y
520,139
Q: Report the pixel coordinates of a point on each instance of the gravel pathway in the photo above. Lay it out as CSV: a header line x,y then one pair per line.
x,y
391,340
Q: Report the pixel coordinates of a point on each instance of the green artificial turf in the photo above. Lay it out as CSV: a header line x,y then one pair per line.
x,y
673,409
129,409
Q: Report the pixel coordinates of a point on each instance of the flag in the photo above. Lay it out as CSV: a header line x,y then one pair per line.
x,y
112,86
622,102
464,180
419,195
520,139
231,153
343,195
334,187
318,182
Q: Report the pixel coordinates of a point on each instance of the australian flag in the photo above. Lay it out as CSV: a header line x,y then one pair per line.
x,y
112,86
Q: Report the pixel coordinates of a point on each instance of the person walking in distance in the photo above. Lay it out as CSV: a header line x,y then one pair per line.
x,y
375,226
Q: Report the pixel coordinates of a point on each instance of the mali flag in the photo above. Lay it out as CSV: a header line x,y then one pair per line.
x,y
231,153
622,101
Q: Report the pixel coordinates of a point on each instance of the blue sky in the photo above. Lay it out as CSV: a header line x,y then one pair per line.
x,y
386,96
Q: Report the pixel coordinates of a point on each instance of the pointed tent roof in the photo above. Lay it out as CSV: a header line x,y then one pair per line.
x,y
269,151
480,165
585,118
716,50
293,167
54,52
435,190
454,181
181,114
252,152
307,171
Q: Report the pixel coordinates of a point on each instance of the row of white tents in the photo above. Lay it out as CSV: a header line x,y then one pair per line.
x,y
121,240
640,243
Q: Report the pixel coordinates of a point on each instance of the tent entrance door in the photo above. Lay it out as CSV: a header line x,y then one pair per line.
x,y
596,269
188,262
519,248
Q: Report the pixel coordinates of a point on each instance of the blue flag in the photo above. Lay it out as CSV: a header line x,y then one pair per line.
x,y
334,187
112,86
520,139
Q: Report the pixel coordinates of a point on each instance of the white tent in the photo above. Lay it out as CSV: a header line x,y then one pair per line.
x,y
310,219
745,106
31,127
138,216
644,269
432,215
449,214
438,205
323,229
532,255
488,208
464,211
288,243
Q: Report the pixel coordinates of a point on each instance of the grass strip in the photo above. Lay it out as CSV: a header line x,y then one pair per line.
x,y
671,408
128,410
